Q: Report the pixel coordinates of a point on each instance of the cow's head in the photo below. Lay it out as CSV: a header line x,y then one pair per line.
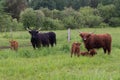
x,y
85,35
78,44
33,32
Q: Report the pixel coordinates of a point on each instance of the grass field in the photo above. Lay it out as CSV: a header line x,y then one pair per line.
x,y
55,63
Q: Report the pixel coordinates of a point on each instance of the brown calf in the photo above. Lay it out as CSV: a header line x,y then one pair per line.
x,y
92,52
83,53
75,49
13,45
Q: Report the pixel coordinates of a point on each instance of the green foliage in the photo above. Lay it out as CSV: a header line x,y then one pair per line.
x,y
114,21
69,22
32,18
103,25
106,11
89,17
7,23
14,7
28,17
58,14
52,24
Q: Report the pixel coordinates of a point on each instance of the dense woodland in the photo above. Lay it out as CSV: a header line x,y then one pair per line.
x,y
58,14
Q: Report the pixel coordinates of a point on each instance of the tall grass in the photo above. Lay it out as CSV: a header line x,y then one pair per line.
x,y
55,63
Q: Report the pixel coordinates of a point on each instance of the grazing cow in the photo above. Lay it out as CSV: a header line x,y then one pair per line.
x,y
44,39
13,45
92,41
75,49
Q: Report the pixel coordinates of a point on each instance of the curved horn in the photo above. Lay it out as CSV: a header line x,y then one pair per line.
x,y
80,32
28,29
39,29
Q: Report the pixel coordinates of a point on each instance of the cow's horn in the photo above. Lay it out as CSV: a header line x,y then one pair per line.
x,y
28,29
80,32
39,29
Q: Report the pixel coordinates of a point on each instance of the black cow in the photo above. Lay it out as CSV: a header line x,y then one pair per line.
x,y
42,39
38,39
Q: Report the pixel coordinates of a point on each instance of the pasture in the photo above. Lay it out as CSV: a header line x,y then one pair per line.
x,y
55,63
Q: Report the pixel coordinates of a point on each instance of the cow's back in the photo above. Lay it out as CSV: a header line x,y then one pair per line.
x,y
43,38
98,41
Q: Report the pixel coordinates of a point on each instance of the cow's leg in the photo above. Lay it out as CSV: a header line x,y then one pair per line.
x,y
52,44
104,50
109,50
33,44
47,44
71,54
38,45
71,51
78,51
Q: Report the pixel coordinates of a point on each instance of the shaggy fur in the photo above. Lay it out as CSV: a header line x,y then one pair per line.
x,y
52,38
39,39
83,53
92,41
13,45
75,49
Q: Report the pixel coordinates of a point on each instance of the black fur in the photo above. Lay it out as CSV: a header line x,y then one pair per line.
x,y
42,39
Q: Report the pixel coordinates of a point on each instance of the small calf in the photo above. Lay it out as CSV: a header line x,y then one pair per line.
x,y
92,52
13,45
83,53
75,49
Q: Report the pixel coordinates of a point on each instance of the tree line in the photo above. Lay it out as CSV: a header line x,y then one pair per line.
x,y
58,14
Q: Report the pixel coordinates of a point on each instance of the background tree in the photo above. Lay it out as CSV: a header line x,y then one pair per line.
x,y
28,18
14,7
89,17
106,11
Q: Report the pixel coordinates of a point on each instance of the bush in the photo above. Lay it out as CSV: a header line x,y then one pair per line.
x,y
103,25
53,24
114,21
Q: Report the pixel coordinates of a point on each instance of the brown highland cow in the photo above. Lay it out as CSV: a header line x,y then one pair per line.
x,y
92,41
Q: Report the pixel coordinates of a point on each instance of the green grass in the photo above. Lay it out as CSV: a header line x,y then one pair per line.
x,y
55,63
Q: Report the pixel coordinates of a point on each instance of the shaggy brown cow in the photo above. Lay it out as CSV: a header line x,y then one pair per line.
x,y
92,41
75,49
13,45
